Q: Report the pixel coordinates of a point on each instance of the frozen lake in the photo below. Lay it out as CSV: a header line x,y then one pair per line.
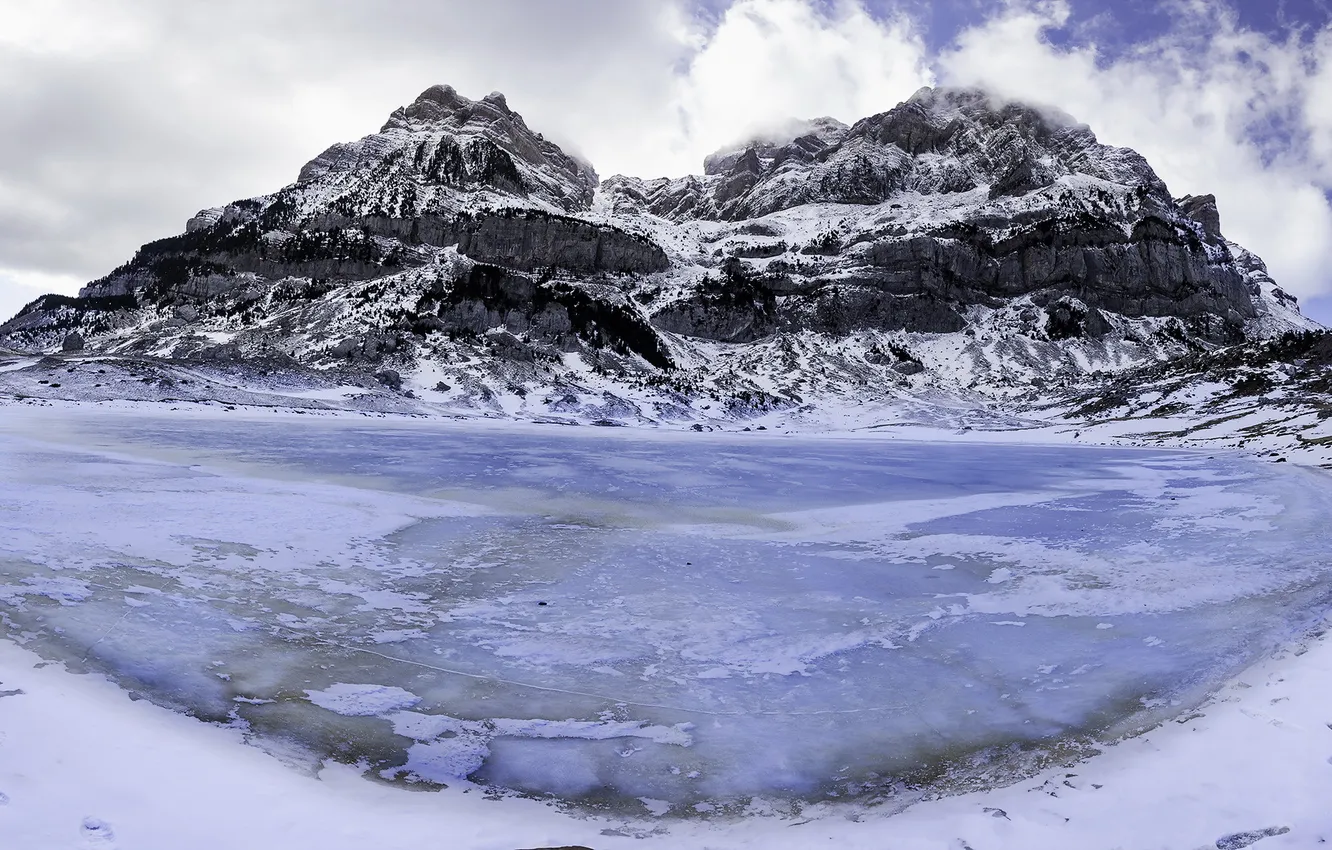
x,y
659,619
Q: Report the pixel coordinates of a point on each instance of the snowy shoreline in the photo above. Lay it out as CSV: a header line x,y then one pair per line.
x,y
80,758
1126,434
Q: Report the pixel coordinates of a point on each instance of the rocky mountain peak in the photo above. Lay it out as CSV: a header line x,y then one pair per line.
x,y
960,139
447,144
939,142
442,107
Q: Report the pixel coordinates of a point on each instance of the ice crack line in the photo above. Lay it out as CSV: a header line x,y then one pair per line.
x,y
106,634
116,625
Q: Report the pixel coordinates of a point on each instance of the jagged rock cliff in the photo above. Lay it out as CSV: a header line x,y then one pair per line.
x,y
952,241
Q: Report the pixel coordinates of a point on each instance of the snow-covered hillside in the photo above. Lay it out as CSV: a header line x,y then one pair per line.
x,y
955,253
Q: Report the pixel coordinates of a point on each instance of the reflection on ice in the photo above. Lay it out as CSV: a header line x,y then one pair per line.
x,y
674,618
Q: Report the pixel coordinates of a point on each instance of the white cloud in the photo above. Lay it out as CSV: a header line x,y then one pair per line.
x,y
69,27
1197,103
768,61
1318,104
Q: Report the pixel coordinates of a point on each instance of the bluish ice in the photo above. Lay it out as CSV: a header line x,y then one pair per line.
x,y
689,620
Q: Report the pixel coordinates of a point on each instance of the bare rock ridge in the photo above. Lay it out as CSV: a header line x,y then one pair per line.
x,y
823,258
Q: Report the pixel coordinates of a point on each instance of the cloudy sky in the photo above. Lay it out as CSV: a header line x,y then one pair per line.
x,y
120,118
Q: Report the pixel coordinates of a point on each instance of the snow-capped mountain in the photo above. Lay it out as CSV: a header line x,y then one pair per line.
x,y
951,249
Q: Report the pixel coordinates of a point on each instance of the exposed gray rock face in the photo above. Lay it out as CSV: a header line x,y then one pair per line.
x,y
743,306
732,308
553,315
457,235
1202,209
1156,269
533,240
524,239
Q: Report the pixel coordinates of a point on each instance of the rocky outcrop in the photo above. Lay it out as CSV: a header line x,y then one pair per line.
x,y
548,313
1202,209
731,307
528,240
231,259
533,240
1158,269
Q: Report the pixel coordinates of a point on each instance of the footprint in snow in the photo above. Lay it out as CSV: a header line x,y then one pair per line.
x,y
97,833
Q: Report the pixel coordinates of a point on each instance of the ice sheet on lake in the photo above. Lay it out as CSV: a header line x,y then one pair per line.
x,y
673,617
362,700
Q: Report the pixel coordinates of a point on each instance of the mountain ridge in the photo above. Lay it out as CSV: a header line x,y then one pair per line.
x,y
953,244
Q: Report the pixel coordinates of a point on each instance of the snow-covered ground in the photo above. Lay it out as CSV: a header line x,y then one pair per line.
x,y
705,640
